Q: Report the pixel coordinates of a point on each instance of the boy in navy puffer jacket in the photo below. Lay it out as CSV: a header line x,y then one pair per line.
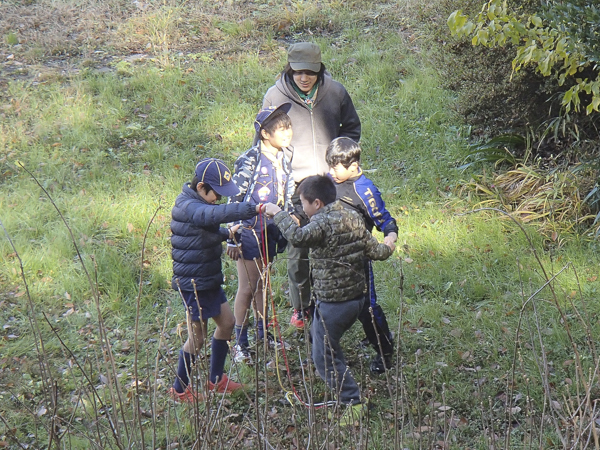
x,y
196,241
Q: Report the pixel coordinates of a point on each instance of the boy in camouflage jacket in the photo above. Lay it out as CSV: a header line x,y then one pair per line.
x,y
339,243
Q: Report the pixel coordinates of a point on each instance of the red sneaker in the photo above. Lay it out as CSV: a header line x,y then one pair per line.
x,y
297,319
225,386
187,396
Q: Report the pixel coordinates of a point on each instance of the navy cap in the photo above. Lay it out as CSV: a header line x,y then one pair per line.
x,y
214,172
264,114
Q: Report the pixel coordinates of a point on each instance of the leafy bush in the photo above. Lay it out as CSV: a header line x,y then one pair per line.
x,y
561,41
487,96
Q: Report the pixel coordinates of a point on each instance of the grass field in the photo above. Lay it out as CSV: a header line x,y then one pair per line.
x,y
105,108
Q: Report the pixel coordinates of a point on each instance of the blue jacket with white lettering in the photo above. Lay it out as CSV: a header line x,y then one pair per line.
x,y
361,194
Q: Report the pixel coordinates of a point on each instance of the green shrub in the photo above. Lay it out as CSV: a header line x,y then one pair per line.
x,y
487,95
559,41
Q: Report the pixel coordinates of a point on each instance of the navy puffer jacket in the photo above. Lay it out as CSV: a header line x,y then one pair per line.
x,y
197,238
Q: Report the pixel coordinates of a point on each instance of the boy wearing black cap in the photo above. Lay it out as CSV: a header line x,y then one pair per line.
x,y
196,241
263,174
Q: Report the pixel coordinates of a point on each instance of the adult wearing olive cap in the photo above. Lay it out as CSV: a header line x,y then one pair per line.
x,y
321,111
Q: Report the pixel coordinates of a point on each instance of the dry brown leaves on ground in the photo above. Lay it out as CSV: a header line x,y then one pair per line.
x,y
531,194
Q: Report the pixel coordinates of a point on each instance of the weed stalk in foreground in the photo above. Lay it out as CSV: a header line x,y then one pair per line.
x,y
579,426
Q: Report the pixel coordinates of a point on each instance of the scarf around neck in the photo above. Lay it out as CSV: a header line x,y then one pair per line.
x,y
308,99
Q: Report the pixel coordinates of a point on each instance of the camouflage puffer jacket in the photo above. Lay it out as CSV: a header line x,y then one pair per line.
x,y
339,244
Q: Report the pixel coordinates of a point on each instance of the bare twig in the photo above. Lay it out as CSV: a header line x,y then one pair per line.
x,y
46,374
548,283
96,396
399,369
101,327
11,434
136,341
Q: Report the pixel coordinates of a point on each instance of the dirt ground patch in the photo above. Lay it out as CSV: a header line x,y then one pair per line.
x,y
42,40
45,40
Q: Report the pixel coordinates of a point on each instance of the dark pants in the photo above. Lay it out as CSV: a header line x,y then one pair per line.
x,y
298,266
375,324
330,322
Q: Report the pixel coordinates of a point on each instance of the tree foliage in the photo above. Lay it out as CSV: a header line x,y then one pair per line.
x,y
561,39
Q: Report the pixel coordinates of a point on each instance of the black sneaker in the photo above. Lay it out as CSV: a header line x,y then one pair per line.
x,y
364,344
308,313
380,364
278,345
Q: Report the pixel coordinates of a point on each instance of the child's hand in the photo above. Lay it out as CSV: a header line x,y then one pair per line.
x,y
390,239
233,229
233,251
390,245
270,209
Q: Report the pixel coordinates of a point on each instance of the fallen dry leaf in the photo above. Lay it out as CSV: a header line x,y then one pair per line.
x,y
556,405
457,332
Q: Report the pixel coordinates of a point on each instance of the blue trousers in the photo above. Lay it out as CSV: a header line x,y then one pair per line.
x,y
375,325
330,322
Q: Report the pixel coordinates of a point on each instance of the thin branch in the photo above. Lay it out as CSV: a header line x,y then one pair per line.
x,y
137,321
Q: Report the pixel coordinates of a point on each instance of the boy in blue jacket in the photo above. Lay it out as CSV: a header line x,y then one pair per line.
x,y
359,193
196,241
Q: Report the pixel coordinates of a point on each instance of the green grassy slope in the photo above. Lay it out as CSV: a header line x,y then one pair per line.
x,y
113,138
